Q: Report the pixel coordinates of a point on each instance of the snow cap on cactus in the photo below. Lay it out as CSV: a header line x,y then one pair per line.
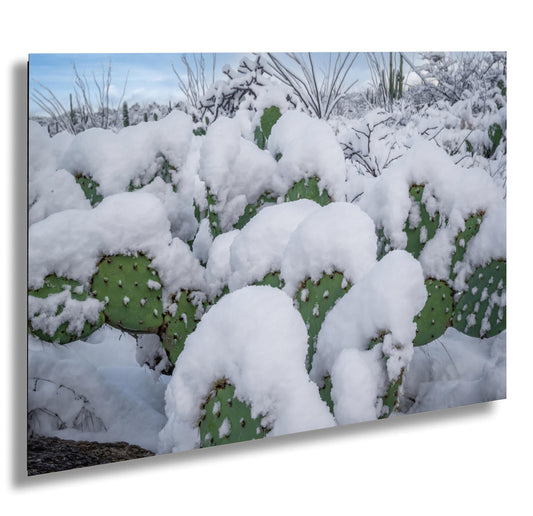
x,y
131,154
382,301
72,242
235,170
258,249
452,191
308,148
263,357
337,237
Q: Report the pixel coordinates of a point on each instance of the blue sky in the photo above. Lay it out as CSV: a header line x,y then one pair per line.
x,y
150,76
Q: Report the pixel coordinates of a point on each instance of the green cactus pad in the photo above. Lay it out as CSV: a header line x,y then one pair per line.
x,y
391,398
271,279
251,210
90,189
437,313
176,328
164,172
259,138
314,300
270,116
384,245
325,393
132,292
227,419
481,308
308,189
54,285
472,225
425,229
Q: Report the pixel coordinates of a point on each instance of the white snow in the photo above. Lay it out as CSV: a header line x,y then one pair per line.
x,y
337,237
258,249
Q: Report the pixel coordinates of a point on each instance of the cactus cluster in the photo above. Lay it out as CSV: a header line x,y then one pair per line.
x,y
227,419
315,299
132,292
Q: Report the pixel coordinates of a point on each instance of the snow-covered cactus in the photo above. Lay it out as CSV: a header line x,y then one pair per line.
x,y
61,311
307,188
315,299
481,309
421,226
435,317
180,323
268,119
227,419
251,210
131,290
90,189
472,225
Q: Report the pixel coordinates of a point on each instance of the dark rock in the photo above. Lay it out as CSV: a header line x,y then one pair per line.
x,y
49,454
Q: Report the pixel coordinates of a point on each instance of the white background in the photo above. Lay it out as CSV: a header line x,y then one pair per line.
x,y
470,460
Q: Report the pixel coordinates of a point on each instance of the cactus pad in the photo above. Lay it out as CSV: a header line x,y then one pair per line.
x,y
268,119
308,189
481,308
271,279
424,226
471,228
437,313
64,333
251,210
227,419
132,292
90,189
177,327
325,393
314,300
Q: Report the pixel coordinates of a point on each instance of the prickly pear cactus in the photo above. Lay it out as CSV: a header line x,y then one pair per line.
x,y
48,319
308,189
271,279
437,313
210,213
270,116
90,189
314,300
181,323
325,393
420,225
164,171
131,290
227,419
251,210
481,309
472,225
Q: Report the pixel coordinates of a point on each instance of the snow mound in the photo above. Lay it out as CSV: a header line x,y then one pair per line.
x,y
258,249
308,148
337,237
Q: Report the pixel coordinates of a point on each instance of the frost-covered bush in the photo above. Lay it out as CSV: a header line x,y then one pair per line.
x,y
278,272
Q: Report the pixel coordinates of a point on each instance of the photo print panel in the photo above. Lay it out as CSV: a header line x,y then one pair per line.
x,y
227,248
